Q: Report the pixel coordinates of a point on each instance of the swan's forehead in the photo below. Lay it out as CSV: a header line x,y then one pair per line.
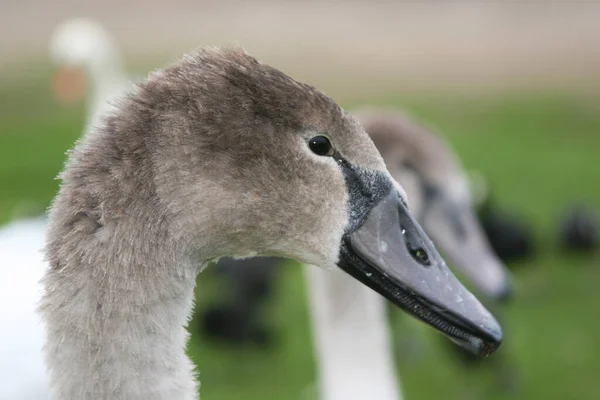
x,y
355,145
237,91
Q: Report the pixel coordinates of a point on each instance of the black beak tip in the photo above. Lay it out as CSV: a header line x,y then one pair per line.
x,y
483,339
481,347
488,348
491,343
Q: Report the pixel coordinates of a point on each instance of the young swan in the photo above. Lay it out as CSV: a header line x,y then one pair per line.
x,y
220,155
439,197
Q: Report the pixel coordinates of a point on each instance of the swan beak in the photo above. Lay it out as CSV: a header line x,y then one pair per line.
x,y
392,255
68,85
456,231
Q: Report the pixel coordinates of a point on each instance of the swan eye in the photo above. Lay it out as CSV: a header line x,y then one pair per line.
x,y
321,146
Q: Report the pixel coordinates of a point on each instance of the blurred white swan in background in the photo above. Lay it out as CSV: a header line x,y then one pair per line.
x,y
90,64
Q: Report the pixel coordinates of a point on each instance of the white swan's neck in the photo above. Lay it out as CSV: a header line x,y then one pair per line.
x,y
354,352
116,320
105,68
107,79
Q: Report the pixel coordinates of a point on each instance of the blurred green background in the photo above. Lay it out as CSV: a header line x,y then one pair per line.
x,y
538,146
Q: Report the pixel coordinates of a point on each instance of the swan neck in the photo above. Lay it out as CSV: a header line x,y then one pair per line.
x,y
104,71
352,340
116,316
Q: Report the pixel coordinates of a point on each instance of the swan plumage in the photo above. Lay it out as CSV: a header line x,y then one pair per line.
x,y
221,155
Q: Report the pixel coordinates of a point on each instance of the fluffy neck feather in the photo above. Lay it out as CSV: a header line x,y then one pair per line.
x,y
120,284
116,313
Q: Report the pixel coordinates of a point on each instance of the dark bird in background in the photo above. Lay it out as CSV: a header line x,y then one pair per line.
x,y
578,229
509,234
236,319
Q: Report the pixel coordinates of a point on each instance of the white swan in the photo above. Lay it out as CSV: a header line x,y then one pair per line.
x,y
79,46
220,155
85,50
350,325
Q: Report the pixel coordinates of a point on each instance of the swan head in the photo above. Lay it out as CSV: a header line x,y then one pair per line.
x,y
440,198
82,49
235,158
81,43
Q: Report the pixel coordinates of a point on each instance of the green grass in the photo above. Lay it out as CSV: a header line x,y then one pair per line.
x,y
538,152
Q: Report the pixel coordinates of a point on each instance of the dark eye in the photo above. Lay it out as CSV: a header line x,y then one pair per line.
x,y
320,145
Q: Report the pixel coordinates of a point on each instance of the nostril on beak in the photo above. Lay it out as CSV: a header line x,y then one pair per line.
x,y
417,252
420,255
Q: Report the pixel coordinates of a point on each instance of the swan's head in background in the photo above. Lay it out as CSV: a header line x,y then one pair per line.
x,y
221,155
439,196
84,51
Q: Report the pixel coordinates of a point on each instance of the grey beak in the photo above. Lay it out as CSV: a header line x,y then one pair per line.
x,y
459,236
391,254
